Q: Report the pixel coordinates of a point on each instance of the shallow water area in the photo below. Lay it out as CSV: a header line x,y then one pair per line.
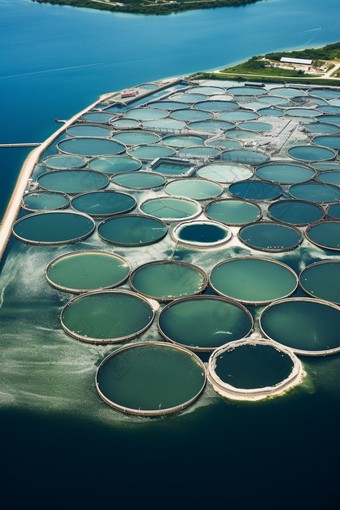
x,y
253,280
203,323
108,316
233,211
49,227
150,378
132,230
307,326
87,270
270,236
167,280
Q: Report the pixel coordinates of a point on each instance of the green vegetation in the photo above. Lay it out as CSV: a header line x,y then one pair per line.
x,y
158,7
329,52
256,65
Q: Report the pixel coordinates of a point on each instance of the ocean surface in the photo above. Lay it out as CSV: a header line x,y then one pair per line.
x,y
62,447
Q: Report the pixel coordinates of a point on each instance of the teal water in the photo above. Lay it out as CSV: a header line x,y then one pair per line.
x,y
204,322
330,178
136,138
320,127
233,211
55,428
115,164
202,234
132,230
322,280
325,234
139,180
103,203
190,114
315,192
332,142
61,162
91,147
224,172
255,190
88,130
270,236
310,153
285,173
197,189
42,201
73,181
295,212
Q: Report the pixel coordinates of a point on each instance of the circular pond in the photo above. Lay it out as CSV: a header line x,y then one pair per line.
x,y
227,144
285,173
253,369
72,181
224,172
287,92
51,227
216,106
139,180
198,152
334,211
136,137
233,212
172,167
322,280
103,203
325,93
198,189
209,91
84,271
167,105
332,142
256,126
167,280
269,236
243,134
171,209
330,177
115,164
331,119
132,230
88,130
327,166
108,316
308,326
315,192
150,379
190,114
325,234
201,234
246,91
295,212
319,127
204,323
60,162
146,114
183,141
150,152
333,110
41,200
164,124
101,117
86,146
210,125
303,112
245,156
256,190
125,124
310,153
278,101
188,97
237,115
253,280
270,112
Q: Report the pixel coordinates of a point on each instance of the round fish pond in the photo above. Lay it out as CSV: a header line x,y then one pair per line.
x,y
168,280
210,125
191,114
270,112
87,146
270,236
323,128
330,177
59,227
84,271
325,93
136,137
150,379
204,323
132,230
303,112
217,106
226,144
322,280
256,126
197,189
256,190
183,141
125,124
285,173
88,130
246,91
253,370
332,142
146,114
139,180
287,92
253,280
334,211
243,134
115,164
150,152
311,153
233,212
101,117
164,124
103,203
325,234
295,212
225,172
237,115
331,119
199,152
41,200
245,156
315,192
171,209
201,234
307,326
73,181
108,316
61,162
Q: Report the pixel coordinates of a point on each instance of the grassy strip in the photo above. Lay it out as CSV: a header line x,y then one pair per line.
x,y
143,7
